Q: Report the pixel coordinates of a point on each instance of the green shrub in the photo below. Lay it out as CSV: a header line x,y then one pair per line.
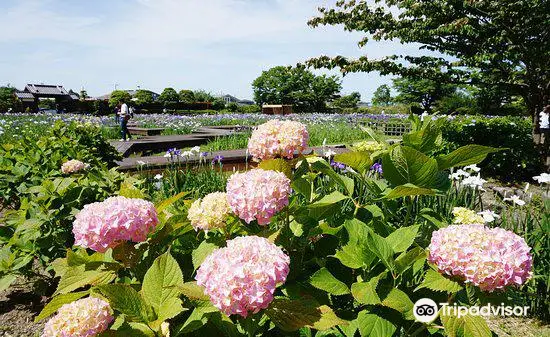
x,y
390,110
521,161
43,200
28,161
248,109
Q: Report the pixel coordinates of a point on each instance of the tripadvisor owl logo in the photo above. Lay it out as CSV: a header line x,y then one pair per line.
x,y
425,310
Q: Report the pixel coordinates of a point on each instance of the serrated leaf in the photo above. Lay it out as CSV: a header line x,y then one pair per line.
x,y
195,321
320,209
77,276
398,300
127,329
127,301
405,165
437,282
407,259
324,280
193,291
465,326
379,247
360,161
128,190
407,190
170,201
402,238
278,164
356,253
159,287
57,302
365,292
291,315
302,186
320,165
354,256
465,155
201,252
476,326
372,325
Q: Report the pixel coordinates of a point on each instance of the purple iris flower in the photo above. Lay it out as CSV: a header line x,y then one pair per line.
x,y
377,167
337,165
204,154
218,159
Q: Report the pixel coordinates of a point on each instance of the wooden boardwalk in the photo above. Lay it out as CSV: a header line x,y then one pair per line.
x,y
155,144
232,159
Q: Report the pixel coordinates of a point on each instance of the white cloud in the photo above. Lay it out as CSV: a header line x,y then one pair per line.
x,y
219,45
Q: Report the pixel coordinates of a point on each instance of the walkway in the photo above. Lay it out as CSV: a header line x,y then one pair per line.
x,y
232,159
154,144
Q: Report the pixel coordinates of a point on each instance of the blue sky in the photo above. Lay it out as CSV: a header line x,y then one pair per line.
x,y
217,45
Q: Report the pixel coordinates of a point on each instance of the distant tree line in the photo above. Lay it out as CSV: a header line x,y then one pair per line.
x,y
425,95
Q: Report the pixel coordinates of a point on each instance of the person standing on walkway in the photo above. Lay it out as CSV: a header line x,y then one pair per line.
x,y
124,116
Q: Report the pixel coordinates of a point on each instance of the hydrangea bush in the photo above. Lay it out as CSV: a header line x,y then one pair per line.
x,y
489,258
278,138
241,278
311,249
258,194
73,166
210,212
87,317
103,225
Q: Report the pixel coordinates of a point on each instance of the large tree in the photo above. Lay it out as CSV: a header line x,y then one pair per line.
x,y
144,97
187,96
297,86
169,95
504,43
119,96
347,101
421,93
382,95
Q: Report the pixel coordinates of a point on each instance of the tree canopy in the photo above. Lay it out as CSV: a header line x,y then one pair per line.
x,y
169,95
503,43
187,96
347,101
144,97
421,93
203,96
119,96
7,99
297,86
382,95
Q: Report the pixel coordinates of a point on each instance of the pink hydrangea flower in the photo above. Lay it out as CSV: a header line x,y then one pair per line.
x,y
241,278
490,258
73,166
87,317
258,194
278,139
103,225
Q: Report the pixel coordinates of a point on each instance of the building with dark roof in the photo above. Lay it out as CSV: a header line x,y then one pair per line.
x,y
232,99
31,95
